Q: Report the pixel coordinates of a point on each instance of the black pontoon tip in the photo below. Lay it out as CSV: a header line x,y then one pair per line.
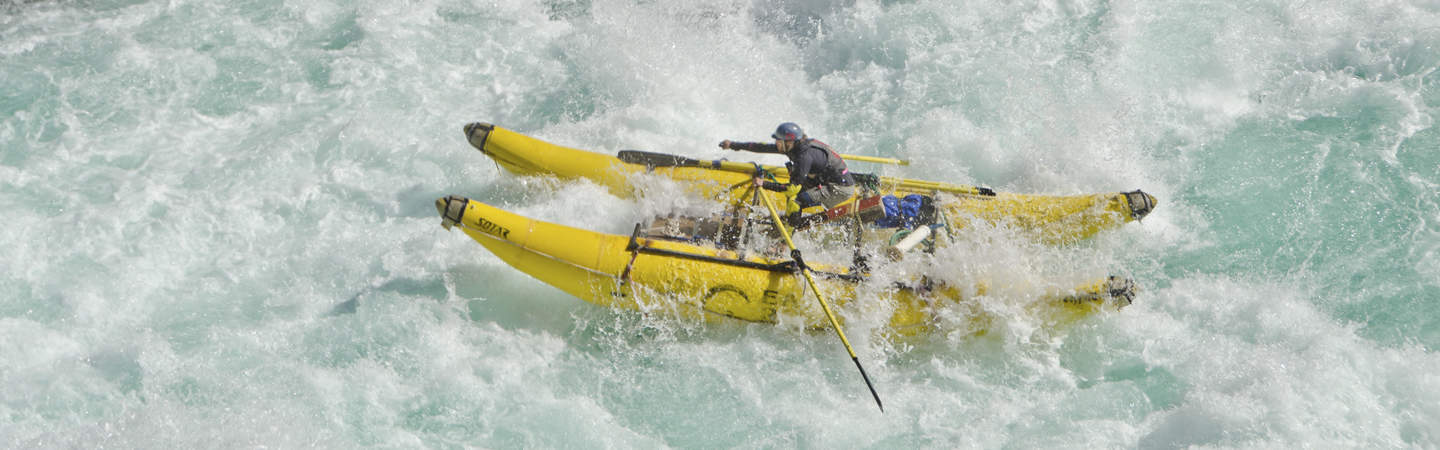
x,y
451,209
1121,290
477,133
1141,204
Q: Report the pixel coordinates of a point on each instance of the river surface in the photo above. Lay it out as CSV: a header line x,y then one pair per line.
x,y
219,231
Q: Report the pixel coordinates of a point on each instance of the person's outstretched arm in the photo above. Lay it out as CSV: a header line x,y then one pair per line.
x,y
757,147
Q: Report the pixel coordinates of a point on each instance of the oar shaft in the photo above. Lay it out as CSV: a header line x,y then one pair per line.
x,y
931,186
828,314
876,159
780,224
653,160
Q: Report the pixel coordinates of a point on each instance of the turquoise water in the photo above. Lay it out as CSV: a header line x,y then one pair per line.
x,y
219,230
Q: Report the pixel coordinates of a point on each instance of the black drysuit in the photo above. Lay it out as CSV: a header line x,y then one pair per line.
x,y
813,165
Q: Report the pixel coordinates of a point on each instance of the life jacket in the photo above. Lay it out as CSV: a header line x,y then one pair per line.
x,y
832,171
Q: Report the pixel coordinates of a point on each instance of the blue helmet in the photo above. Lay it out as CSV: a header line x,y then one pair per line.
x,y
788,131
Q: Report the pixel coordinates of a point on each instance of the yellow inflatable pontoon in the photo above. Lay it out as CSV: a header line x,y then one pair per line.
x,y
1049,219
702,281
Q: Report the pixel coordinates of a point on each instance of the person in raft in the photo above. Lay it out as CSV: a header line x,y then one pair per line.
x,y
817,174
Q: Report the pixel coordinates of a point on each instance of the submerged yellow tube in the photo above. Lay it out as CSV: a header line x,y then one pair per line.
x,y
704,282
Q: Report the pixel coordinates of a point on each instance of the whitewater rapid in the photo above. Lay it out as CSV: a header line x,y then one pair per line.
x,y
219,228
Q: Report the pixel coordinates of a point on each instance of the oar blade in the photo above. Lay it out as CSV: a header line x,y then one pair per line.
x,y
652,159
868,383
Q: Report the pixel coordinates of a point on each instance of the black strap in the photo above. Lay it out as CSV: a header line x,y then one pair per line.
x,y
799,261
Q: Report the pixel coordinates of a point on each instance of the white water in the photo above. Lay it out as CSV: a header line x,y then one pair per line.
x,y
219,229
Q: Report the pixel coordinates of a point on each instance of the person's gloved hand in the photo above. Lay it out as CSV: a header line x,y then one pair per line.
x,y
725,144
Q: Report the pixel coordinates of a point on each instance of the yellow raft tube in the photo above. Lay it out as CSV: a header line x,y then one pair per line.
x,y
1046,218
696,281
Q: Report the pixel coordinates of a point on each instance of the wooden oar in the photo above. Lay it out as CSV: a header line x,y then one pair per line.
x,y
804,269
